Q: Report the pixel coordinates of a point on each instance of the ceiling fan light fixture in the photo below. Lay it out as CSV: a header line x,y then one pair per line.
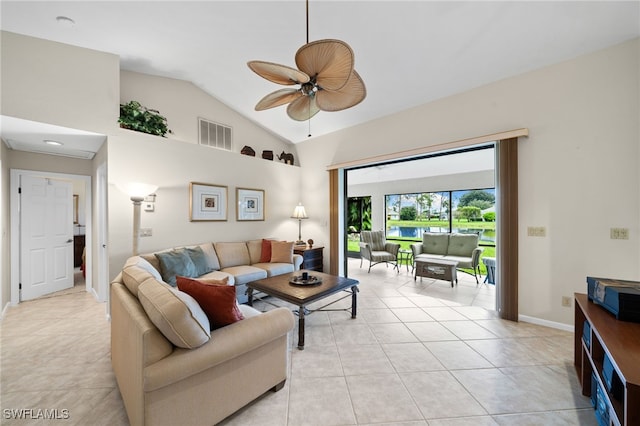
x,y
326,75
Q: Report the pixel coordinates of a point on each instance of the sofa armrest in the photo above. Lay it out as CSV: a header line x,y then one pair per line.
x,y
297,262
392,248
475,257
365,250
416,249
226,343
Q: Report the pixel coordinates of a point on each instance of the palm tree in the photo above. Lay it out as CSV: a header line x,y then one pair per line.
x,y
425,199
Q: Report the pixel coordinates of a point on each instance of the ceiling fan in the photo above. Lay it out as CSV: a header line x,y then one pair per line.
x,y
326,77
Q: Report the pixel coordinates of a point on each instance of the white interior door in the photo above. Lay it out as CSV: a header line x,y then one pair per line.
x,y
46,236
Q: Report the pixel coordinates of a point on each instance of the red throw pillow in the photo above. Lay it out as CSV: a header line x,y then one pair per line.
x,y
217,301
265,256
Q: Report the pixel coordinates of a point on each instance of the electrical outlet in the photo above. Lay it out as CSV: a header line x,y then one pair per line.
x,y
566,301
146,232
536,231
619,233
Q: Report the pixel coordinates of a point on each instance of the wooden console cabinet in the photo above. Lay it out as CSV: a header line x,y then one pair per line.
x,y
618,340
311,257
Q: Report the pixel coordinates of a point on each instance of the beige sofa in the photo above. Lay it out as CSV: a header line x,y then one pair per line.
x,y
171,368
463,248
238,261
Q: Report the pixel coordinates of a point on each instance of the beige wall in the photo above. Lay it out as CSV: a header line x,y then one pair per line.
x,y
578,170
59,84
182,103
172,165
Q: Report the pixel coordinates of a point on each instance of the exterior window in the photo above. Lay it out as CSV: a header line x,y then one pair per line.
x,y
408,216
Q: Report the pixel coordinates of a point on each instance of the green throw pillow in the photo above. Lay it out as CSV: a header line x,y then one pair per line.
x,y
175,262
199,259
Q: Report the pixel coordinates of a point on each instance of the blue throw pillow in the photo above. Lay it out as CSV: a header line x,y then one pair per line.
x,y
199,259
175,262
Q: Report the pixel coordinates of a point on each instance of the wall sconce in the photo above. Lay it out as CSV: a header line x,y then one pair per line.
x,y
137,191
300,213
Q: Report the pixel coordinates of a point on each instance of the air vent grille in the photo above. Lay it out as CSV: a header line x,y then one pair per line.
x,y
214,135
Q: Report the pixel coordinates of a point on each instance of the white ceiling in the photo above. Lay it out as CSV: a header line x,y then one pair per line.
x,y
407,52
457,163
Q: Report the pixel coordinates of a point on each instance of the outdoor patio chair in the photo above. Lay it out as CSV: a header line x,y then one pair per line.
x,y
375,248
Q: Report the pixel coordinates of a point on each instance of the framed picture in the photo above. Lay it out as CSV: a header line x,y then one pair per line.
x,y
207,202
250,204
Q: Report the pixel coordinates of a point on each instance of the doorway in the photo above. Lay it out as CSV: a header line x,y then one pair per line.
x,y
17,219
452,191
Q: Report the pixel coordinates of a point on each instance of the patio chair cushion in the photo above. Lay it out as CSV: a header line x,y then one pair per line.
x,y
435,243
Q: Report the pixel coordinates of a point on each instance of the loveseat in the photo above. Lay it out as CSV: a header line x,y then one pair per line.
x,y
462,248
172,365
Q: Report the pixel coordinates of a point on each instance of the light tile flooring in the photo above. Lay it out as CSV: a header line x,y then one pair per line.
x,y
419,353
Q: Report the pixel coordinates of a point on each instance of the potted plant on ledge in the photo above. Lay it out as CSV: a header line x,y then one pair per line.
x,y
136,117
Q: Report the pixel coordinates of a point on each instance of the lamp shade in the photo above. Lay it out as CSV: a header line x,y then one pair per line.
x,y
138,189
299,212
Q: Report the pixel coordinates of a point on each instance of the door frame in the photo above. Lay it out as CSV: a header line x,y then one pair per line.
x,y
14,212
102,278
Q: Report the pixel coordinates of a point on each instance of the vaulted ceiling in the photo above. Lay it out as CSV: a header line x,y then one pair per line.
x,y
408,52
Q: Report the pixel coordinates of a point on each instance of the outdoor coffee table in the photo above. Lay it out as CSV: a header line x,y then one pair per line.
x,y
439,269
302,295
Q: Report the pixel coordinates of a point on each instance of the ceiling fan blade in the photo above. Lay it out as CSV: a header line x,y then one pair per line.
x,y
277,98
330,61
303,108
350,95
277,73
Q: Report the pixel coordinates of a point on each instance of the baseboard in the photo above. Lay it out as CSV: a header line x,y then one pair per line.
x,y
546,323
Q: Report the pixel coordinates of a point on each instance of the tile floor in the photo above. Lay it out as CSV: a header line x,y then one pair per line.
x,y
419,353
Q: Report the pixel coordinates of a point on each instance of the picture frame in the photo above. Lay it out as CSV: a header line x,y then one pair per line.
x,y
207,202
250,204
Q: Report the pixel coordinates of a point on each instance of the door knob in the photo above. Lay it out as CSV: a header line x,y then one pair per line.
x,y
70,240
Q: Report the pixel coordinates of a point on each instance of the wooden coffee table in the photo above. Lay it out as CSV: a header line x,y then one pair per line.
x,y
439,269
302,295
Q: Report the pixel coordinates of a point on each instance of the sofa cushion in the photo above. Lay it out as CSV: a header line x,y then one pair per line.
x,y
216,298
199,260
248,311
265,254
212,257
281,252
435,243
377,240
232,254
462,244
255,250
176,314
274,269
244,273
218,275
136,270
175,262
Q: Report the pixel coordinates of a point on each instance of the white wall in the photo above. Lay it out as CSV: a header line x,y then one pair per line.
x,y
182,103
578,169
172,165
59,84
